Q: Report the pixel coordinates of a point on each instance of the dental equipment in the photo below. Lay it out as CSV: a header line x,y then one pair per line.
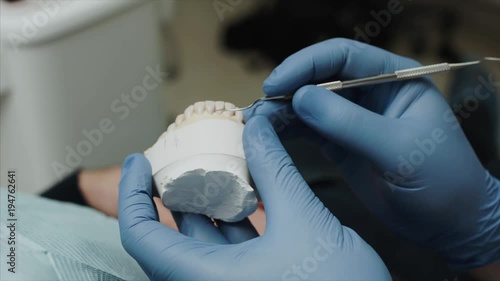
x,y
404,74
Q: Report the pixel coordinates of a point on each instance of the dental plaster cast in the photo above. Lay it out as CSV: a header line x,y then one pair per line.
x,y
199,165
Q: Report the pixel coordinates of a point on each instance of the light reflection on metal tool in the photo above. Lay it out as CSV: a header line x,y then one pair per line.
x,y
405,74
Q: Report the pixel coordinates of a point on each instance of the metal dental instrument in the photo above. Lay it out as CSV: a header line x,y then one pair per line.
x,y
399,75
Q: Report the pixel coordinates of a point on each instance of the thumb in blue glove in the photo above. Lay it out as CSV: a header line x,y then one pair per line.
x,y
302,240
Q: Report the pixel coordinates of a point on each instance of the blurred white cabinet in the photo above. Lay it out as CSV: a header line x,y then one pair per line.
x,y
84,86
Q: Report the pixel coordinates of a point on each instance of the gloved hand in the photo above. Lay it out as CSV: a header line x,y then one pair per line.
x,y
302,240
398,145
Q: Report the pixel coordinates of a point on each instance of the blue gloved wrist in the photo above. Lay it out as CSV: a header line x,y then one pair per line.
x,y
480,246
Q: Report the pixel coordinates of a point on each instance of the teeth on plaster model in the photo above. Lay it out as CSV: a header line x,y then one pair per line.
x,y
179,119
210,106
199,166
219,106
238,115
170,128
189,111
199,107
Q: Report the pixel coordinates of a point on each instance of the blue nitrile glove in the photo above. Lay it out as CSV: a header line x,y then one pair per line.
x,y
398,145
302,240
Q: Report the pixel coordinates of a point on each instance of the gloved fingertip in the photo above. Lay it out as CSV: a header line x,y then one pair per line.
x,y
270,85
136,168
268,88
273,74
305,100
135,158
129,161
269,80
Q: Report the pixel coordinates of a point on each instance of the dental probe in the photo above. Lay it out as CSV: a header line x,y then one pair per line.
x,y
405,74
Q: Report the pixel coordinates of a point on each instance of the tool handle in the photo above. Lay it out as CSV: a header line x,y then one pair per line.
x,y
422,71
332,86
